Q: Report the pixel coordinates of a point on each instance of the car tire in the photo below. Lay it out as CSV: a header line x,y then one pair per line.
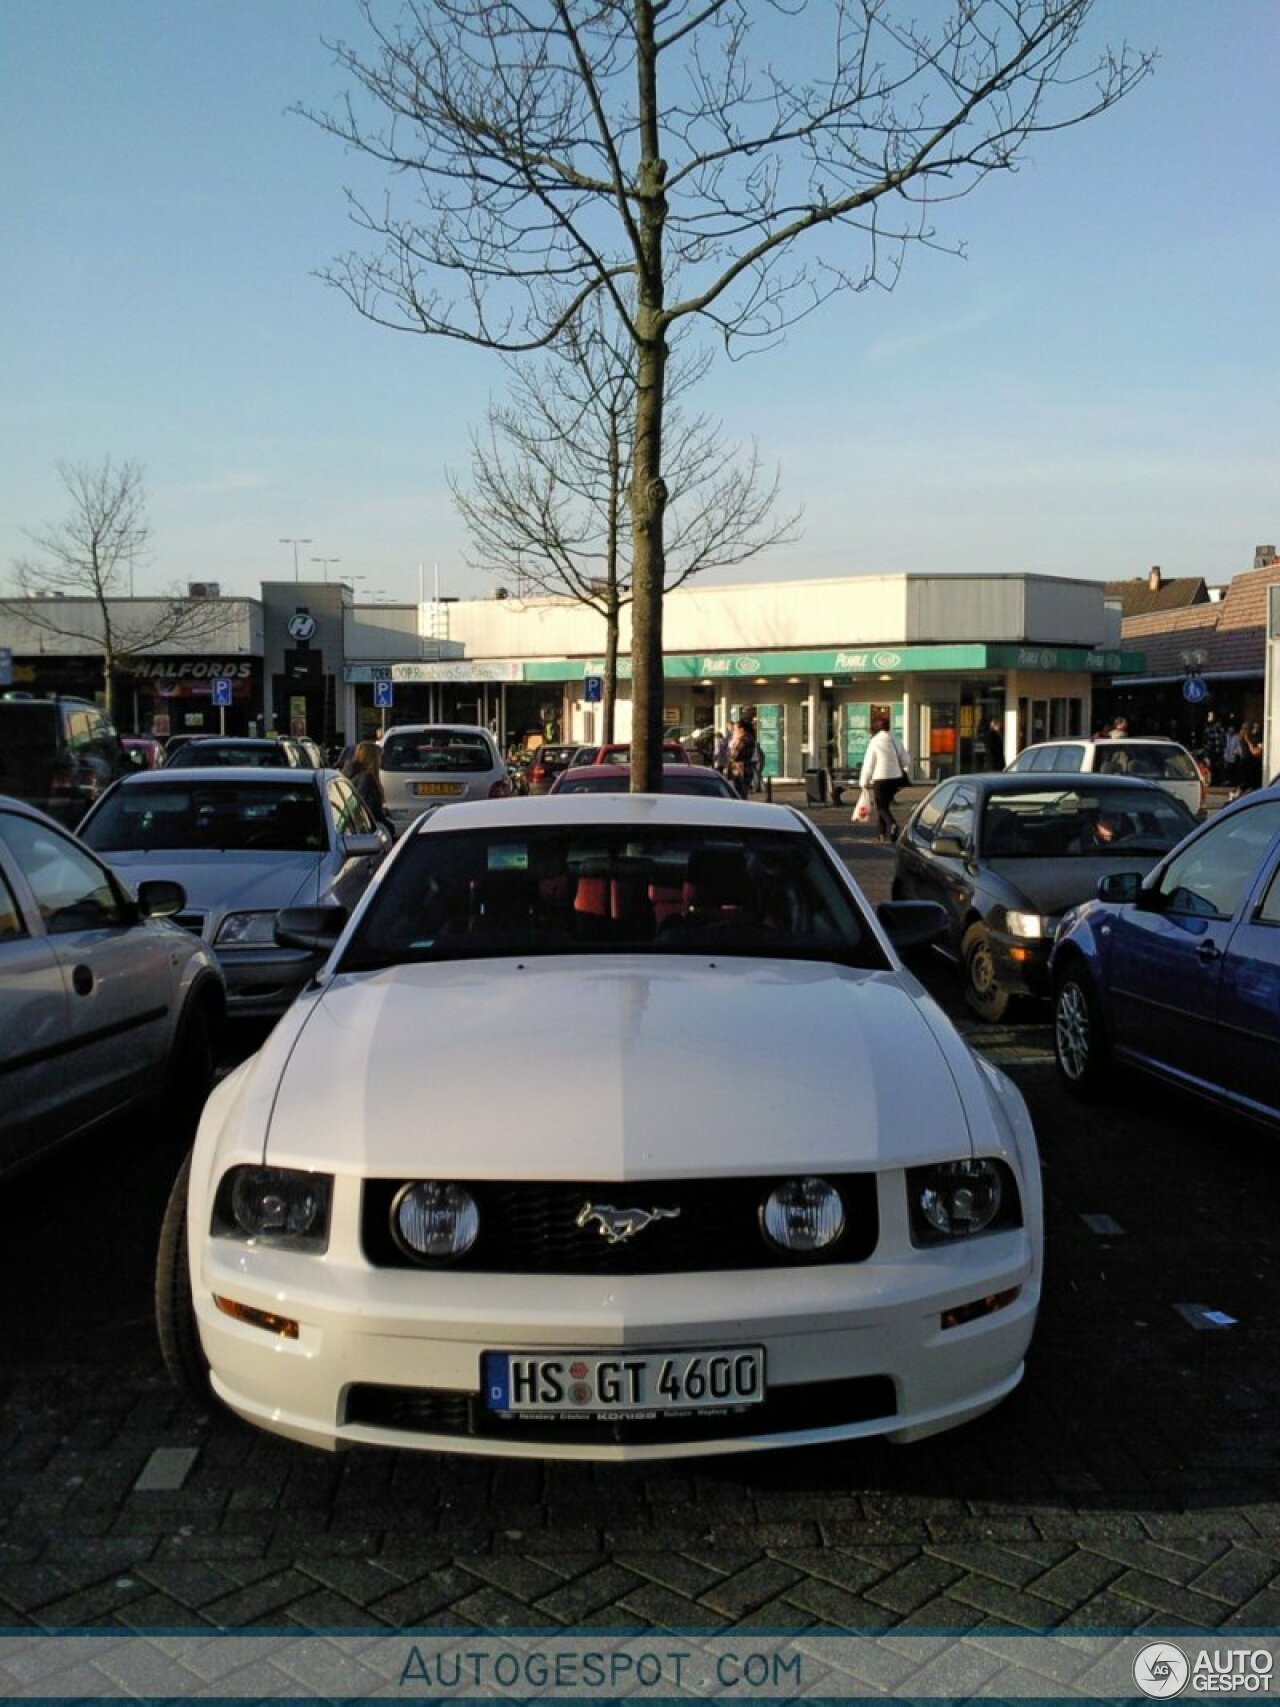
x,y
1080,1044
176,1329
982,990
188,1077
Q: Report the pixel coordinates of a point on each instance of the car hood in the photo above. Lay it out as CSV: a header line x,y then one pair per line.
x,y
609,1070
1051,886
213,880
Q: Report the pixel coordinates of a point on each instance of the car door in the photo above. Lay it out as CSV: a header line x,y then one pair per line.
x,y
350,875
1248,1059
34,1025
1168,953
945,878
116,970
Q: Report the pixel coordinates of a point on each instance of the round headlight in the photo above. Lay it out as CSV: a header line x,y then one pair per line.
x,y
431,1219
957,1198
803,1216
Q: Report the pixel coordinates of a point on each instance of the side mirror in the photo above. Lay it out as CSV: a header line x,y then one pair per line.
x,y
362,844
316,928
949,847
160,898
913,925
1120,887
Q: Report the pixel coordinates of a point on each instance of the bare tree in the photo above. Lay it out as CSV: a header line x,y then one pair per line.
x,y
548,500
89,558
658,154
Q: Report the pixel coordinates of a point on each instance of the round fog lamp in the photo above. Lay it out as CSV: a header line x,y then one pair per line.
x,y
803,1215
431,1219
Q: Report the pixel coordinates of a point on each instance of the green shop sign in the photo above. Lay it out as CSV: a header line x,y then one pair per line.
x,y
854,661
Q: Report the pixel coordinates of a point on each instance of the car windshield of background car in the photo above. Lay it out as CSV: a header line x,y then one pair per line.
x,y
591,888
436,750
201,754
226,816
1082,823
1171,763
710,784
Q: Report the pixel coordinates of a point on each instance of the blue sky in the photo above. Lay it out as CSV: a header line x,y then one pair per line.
x,y
1092,390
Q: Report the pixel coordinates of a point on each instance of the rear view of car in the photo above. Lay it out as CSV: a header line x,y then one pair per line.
x,y
547,764
1152,758
439,764
57,754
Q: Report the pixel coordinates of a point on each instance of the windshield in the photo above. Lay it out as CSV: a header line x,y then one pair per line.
x,y
710,783
1061,824
237,816
569,889
1136,758
221,753
436,750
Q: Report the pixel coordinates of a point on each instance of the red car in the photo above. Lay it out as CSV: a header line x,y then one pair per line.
x,y
546,764
619,753
616,779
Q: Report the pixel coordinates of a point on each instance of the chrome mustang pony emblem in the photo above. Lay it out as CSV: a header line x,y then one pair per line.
x,y
619,1224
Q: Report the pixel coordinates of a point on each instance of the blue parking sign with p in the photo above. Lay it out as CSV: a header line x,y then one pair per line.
x,y
382,694
222,690
592,689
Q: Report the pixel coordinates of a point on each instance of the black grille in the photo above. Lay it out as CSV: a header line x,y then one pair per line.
x,y
786,1410
528,1228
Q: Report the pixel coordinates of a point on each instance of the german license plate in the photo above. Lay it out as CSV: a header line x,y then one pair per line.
x,y
437,788
597,1383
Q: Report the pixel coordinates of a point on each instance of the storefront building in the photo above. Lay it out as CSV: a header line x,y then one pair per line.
x,y
818,660
940,655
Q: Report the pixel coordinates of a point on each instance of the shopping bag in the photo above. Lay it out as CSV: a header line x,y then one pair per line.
x,y
865,810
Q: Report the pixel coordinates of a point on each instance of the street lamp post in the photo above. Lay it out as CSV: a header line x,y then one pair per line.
x,y
295,543
326,561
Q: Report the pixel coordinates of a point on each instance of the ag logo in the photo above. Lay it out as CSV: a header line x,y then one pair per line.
x,y
301,626
1161,1670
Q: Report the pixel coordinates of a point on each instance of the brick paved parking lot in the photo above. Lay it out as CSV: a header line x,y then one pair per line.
x,y
1132,1481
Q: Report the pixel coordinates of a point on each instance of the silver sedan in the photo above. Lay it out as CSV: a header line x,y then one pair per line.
x,y
104,1005
243,842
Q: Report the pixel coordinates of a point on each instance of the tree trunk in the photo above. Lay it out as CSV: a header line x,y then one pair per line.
x,y
610,666
648,489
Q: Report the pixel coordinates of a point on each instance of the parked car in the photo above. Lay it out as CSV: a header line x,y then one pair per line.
x,y
272,751
244,843
434,764
820,1223
616,779
619,753
548,762
57,754
1178,973
1150,757
1008,855
104,1004
142,752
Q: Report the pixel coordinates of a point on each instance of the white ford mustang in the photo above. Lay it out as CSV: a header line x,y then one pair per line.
x,y
612,1128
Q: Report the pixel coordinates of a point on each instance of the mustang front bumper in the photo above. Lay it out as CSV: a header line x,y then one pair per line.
x,y
394,1357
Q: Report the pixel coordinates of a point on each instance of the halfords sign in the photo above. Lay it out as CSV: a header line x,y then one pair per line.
x,y
192,669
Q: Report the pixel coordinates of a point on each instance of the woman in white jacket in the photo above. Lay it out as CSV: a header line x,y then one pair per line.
x,y
885,769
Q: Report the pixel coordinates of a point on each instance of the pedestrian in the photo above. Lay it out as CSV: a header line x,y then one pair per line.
x,y
742,757
1215,741
1233,761
993,744
723,744
364,772
886,768
1251,758
1118,730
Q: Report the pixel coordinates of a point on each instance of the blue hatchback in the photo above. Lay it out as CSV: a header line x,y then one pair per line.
x,y
1178,973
